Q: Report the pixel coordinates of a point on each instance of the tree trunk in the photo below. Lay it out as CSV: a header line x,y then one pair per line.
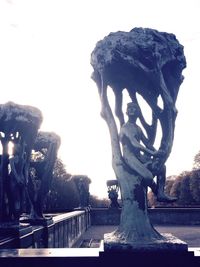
x,y
135,226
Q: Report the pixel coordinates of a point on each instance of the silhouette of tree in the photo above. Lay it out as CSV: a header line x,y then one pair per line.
x,y
63,194
196,163
195,185
185,196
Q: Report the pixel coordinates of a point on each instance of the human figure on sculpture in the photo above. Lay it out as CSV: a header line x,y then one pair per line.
x,y
17,180
141,157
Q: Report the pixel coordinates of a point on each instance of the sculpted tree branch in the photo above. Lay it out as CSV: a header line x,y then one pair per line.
x,y
107,115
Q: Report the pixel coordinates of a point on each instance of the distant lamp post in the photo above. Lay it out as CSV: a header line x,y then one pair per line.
x,y
113,189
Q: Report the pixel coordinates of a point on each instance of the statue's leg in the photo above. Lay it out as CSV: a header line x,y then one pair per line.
x,y
140,168
161,179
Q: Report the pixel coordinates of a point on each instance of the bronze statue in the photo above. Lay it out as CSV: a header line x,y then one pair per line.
x,y
148,63
41,172
18,128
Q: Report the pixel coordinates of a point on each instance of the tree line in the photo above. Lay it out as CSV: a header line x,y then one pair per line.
x,y
64,194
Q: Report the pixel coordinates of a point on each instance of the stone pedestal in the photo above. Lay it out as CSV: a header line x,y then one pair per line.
x,y
168,243
168,251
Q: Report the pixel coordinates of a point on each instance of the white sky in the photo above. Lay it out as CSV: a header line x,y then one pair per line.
x,y
45,48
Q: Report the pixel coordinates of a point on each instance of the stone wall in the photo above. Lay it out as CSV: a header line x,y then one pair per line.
x,y
161,216
175,216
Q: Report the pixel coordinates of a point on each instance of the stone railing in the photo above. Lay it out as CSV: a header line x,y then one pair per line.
x,y
68,227
65,230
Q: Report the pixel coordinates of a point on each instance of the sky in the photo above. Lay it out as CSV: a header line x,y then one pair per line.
x,y
45,48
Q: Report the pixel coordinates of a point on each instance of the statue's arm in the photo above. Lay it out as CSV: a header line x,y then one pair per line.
x,y
126,137
146,142
133,162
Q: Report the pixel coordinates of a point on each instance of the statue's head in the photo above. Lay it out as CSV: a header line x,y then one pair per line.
x,y
132,109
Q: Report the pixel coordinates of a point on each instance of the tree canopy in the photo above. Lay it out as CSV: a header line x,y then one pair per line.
x,y
196,163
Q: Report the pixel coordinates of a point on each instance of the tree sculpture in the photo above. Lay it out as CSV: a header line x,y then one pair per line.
x,y
149,63
41,172
19,125
113,189
82,183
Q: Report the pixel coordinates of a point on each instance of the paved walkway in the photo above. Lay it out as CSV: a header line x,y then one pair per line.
x,y
189,234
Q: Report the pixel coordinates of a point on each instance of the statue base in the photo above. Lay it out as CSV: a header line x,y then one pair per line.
x,y
169,243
